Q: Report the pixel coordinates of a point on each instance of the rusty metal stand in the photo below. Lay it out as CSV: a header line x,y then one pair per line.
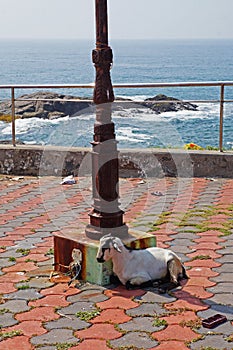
x,y
106,215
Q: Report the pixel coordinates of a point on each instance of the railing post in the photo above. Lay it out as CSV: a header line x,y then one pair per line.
x,y
13,115
221,118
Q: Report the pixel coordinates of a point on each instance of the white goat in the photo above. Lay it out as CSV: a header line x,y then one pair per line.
x,y
136,267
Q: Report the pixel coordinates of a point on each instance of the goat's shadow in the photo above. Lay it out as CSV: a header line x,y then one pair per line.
x,y
170,291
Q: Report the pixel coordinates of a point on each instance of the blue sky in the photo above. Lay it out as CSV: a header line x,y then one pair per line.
x,y
128,19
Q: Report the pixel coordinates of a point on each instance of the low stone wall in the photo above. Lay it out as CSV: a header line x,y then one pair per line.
x,y
62,161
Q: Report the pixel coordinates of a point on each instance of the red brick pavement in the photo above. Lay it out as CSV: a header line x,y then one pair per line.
x,y
178,314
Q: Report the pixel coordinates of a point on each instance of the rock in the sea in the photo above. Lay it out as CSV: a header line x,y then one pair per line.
x,y
49,105
162,103
39,105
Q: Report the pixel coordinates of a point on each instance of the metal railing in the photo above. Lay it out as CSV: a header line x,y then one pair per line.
x,y
220,84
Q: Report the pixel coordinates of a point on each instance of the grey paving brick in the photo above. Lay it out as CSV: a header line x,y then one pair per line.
x,y
224,251
40,283
225,268
7,319
223,298
93,295
187,229
46,347
76,307
26,294
154,297
15,306
5,262
226,329
70,322
184,235
222,287
182,249
27,243
140,324
147,309
223,277
212,342
179,242
226,258
134,340
55,336
226,310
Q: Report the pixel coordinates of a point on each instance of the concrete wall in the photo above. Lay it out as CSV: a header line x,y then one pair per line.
x,y
62,161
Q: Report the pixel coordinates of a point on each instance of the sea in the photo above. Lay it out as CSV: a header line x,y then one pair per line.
x,y
135,61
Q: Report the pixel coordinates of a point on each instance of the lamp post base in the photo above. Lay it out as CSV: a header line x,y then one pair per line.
x,y
96,233
91,270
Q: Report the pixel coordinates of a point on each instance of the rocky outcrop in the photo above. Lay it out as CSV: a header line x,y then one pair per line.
x,y
159,105
47,105
51,105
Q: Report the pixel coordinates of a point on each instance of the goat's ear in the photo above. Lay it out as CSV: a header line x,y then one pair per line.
x,y
116,247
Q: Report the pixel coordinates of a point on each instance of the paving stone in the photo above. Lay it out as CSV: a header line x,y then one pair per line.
x,y
99,331
40,233
140,324
225,251
93,295
13,343
187,229
134,340
42,271
222,298
15,306
50,300
40,283
55,336
26,294
216,309
182,249
26,244
48,262
225,329
184,235
6,262
176,332
76,307
60,289
117,302
71,322
147,309
226,258
210,342
113,316
46,347
154,297
7,319
180,242
225,268
225,287
223,277
92,344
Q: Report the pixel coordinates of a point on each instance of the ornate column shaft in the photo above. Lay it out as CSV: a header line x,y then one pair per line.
x,y
106,215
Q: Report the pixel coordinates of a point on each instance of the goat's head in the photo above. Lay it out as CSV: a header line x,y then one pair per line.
x,y
109,245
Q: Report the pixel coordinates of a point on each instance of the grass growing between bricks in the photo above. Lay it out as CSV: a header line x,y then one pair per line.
x,y
87,315
6,335
186,220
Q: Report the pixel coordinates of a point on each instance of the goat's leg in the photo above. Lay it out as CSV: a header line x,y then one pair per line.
x,y
171,279
139,281
174,271
147,284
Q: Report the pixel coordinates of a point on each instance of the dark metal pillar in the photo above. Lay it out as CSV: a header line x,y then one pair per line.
x,y
106,215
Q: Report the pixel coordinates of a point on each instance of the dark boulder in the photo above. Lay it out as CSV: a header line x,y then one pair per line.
x,y
44,105
162,103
